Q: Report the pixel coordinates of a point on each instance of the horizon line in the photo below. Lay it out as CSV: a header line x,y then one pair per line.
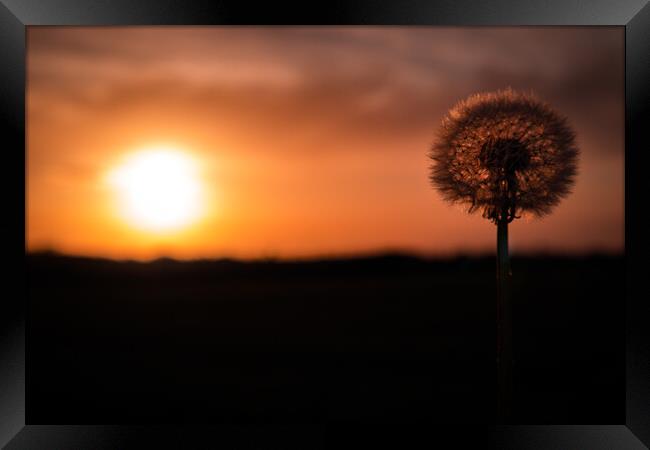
x,y
394,253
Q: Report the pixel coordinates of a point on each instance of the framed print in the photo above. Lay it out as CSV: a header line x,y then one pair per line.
x,y
251,225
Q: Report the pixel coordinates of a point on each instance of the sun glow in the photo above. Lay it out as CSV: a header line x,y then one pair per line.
x,y
158,189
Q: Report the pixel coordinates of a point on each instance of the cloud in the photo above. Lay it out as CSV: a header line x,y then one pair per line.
x,y
388,81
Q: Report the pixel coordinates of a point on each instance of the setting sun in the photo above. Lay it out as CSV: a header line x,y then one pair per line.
x,y
158,189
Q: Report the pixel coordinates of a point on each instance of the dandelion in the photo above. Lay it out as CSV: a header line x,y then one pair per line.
x,y
505,154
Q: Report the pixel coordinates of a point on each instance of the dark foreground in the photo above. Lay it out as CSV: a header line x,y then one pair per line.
x,y
386,339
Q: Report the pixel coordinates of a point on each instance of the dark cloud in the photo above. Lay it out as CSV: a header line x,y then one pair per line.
x,y
385,80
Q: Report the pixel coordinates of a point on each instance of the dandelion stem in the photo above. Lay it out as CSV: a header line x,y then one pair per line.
x,y
504,325
505,154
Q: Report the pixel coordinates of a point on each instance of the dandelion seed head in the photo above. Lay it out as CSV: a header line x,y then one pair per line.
x,y
505,154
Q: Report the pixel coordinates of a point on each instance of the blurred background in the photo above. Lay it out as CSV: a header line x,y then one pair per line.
x,y
309,272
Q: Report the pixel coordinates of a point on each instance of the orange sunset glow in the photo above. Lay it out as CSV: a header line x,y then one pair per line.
x,y
298,142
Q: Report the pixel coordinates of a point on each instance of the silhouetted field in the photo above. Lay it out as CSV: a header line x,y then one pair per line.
x,y
381,339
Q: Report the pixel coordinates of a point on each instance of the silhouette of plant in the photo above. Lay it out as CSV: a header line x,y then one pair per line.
x,y
504,153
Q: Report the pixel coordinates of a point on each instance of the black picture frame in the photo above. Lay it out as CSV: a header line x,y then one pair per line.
x,y
16,15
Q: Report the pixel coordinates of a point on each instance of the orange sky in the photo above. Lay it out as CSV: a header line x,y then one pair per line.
x,y
311,141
